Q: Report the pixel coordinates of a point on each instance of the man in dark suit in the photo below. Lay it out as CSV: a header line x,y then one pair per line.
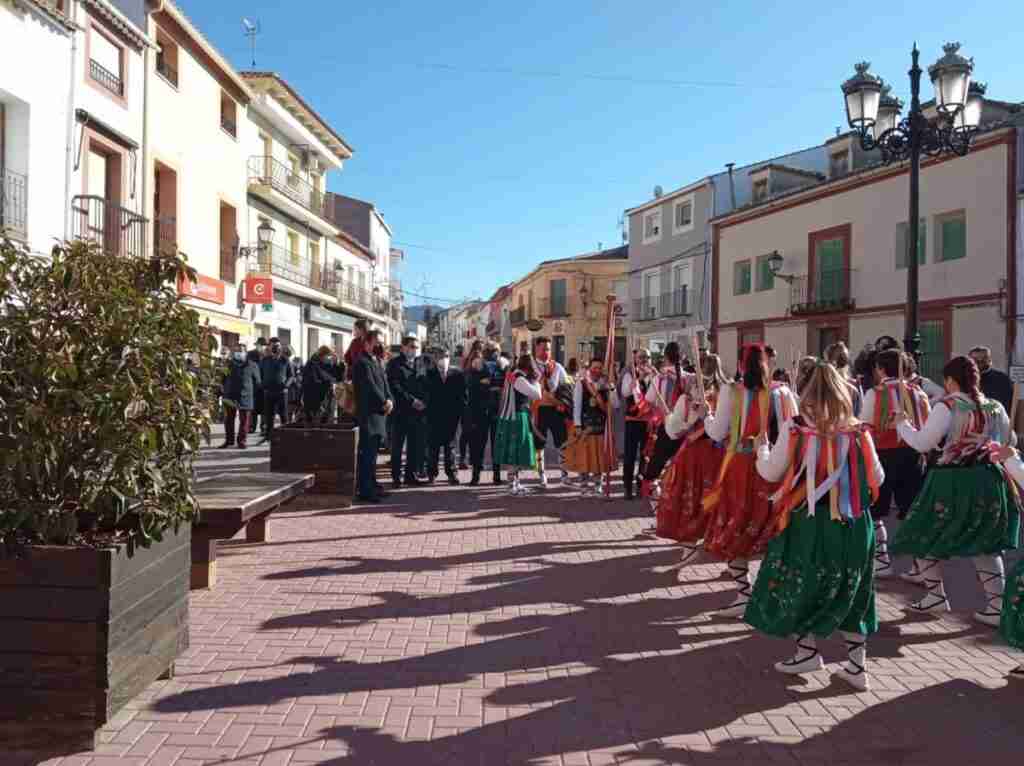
x,y
446,389
407,381
373,405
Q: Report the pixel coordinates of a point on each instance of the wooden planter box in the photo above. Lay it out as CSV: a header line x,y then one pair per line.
x,y
83,631
329,451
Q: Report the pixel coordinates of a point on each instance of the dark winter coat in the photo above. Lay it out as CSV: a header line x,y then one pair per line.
x,y
317,379
372,394
277,374
447,403
241,382
408,382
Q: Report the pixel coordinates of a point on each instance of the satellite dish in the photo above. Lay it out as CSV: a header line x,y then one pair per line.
x,y
658,191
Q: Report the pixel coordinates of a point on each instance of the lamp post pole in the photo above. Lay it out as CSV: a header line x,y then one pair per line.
x,y
912,340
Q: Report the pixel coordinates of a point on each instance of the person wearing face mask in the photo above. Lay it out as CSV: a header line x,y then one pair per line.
x,y
277,373
446,391
318,378
407,381
240,385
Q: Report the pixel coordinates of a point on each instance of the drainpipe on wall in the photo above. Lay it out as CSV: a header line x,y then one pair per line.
x,y
69,140
732,186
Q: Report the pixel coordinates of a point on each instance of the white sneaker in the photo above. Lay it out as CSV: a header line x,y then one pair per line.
x,y
857,679
808,664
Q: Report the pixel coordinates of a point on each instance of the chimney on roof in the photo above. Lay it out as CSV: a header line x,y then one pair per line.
x,y
732,185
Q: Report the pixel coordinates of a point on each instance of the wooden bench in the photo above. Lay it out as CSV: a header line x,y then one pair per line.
x,y
230,501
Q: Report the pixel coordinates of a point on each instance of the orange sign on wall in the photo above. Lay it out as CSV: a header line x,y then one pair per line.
x,y
258,290
203,288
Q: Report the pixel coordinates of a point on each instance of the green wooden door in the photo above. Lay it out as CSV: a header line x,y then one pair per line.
x,y
933,350
829,277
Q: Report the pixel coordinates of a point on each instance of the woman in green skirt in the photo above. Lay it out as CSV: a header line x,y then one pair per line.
x,y
967,506
515,440
818,573
1011,626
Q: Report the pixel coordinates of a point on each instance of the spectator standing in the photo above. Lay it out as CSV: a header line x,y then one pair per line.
x,y
239,390
257,412
277,374
355,348
373,405
407,382
446,394
995,384
318,380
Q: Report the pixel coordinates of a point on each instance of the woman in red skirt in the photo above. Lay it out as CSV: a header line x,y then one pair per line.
x,y
741,521
694,469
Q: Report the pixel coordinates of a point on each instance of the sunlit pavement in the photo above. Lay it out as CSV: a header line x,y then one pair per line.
x,y
453,625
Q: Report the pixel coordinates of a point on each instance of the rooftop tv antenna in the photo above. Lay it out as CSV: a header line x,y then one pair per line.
x,y
251,30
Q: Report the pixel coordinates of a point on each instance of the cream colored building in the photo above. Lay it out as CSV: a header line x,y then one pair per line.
x,y
568,297
842,244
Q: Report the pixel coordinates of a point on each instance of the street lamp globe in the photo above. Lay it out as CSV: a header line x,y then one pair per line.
x,y
968,118
265,233
862,93
951,76
889,108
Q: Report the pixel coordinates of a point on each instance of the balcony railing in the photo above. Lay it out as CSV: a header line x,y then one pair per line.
x,y
117,229
555,307
164,68
13,204
165,234
106,78
517,317
295,267
268,171
829,291
671,304
360,297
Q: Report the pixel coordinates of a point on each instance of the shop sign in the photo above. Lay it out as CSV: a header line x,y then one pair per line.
x,y
202,288
329,318
258,290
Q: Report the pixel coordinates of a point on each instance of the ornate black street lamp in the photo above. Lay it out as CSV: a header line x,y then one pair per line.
x,y
874,114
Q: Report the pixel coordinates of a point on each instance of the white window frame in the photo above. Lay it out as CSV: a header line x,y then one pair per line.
x,y
687,200
685,269
656,226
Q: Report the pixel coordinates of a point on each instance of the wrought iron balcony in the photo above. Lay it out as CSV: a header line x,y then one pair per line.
x,y
13,204
830,291
165,234
100,74
671,304
117,229
360,297
295,267
556,307
517,317
267,171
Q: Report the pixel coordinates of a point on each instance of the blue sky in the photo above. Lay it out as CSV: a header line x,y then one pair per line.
x,y
495,135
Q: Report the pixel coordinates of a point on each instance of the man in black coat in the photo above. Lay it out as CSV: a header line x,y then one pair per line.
x,y
240,385
995,384
407,381
318,379
277,373
446,391
373,405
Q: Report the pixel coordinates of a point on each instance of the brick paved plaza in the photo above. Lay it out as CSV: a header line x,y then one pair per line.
x,y
453,626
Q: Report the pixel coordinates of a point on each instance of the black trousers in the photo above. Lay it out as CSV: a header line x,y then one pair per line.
x,y
229,424
550,420
366,463
257,410
665,448
480,432
408,430
904,477
464,439
636,436
440,449
274,403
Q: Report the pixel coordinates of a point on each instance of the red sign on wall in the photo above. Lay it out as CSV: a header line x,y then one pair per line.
x,y
203,288
258,290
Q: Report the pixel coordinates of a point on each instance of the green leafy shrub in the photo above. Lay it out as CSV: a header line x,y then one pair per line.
x,y
100,413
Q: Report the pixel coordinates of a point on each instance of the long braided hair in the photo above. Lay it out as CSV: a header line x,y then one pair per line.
x,y
964,371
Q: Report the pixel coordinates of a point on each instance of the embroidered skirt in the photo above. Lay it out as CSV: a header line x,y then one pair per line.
x,y
584,453
691,475
742,521
960,511
1011,628
514,442
817,577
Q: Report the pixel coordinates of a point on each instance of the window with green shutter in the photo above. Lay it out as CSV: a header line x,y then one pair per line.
x,y
933,349
902,231
953,236
829,267
765,277
741,278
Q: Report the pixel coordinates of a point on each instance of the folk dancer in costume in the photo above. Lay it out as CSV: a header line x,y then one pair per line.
x,y
931,389
838,355
636,382
903,465
670,384
967,506
741,518
593,402
516,440
1011,626
694,469
551,413
817,576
